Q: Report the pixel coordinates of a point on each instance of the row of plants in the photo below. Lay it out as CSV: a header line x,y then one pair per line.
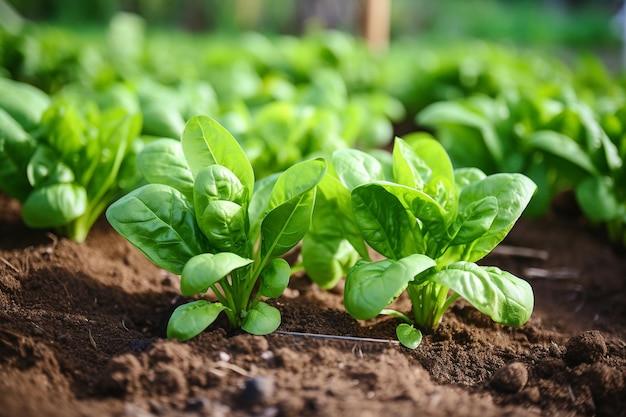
x,y
203,217
89,124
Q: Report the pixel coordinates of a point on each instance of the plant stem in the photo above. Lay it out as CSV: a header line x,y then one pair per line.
x,y
429,303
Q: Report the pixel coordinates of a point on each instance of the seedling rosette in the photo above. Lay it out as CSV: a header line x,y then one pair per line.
x,y
203,217
431,224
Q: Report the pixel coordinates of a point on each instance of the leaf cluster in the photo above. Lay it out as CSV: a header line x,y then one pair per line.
x,y
429,222
65,159
202,216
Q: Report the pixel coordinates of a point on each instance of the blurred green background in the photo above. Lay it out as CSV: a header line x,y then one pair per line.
x,y
570,22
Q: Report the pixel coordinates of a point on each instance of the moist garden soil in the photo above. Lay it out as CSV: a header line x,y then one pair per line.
x,y
82,334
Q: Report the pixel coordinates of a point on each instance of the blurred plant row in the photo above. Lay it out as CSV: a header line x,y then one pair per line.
x,y
75,110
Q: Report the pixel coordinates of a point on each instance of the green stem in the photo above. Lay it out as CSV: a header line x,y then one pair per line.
x,y
397,314
429,303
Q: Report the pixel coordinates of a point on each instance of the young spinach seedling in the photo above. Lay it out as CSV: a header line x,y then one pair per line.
x,y
203,217
431,224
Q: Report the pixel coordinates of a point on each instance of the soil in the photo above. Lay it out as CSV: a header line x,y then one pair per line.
x,y
82,333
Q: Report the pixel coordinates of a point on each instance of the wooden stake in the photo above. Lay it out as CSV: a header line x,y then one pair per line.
x,y
376,19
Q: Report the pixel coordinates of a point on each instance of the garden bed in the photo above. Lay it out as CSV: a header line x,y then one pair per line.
x,y
82,333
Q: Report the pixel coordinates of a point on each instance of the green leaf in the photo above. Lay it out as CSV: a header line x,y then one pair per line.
x,y
191,319
448,113
16,149
46,168
408,335
409,169
327,258
54,205
563,147
597,199
355,167
385,223
274,278
286,225
297,180
432,216
224,225
334,241
259,203
206,142
159,221
163,162
372,286
206,269
23,102
217,183
466,176
261,319
513,192
474,221
498,294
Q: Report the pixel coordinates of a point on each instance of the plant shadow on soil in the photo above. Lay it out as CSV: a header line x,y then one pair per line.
x,y
82,333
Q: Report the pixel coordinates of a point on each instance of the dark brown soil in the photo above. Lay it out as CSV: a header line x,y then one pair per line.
x,y
82,334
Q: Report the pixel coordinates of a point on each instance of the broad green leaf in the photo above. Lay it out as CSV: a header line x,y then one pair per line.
x,y
297,180
206,142
474,221
408,335
118,130
332,215
23,102
597,199
16,149
563,147
261,319
513,192
334,241
159,221
224,225
455,113
466,176
372,286
191,319
498,294
440,184
274,278
46,168
286,225
163,162
217,183
408,168
355,167
327,259
68,128
206,269
54,205
259,203
385,223
423,207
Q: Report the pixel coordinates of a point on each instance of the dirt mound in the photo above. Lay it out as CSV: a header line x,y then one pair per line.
x,y
82,333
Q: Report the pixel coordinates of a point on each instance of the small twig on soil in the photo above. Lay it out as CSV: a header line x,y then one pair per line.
x,y
7,263
216,370
124,326
329,336
54,239
506,250
91,339
554,273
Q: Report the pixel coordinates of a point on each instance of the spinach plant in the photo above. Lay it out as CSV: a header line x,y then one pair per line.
x,y
430,224
67,162
555,141
203,217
